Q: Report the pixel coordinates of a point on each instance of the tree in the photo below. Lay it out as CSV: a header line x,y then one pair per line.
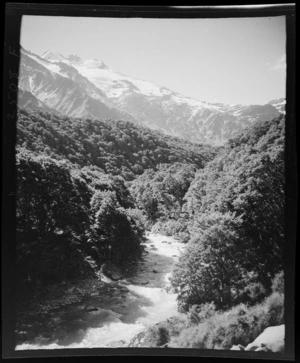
x,y
236,209
114,232
52,219
212,266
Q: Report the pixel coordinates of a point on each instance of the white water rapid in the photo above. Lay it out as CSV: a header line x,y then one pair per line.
x,y
145,301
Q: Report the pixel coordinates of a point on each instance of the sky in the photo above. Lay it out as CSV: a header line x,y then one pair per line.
x,y
233,60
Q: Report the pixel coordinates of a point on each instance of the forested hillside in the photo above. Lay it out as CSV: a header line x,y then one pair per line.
x,y
70,221
236,221
117,147
160,194
229,280
88,190
74,210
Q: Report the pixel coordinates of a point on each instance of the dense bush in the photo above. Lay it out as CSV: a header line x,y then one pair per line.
x,y
278,283
115,235
240,325
160,194
235,208
70,221
95,186
116,147
160,334
198,313
52,219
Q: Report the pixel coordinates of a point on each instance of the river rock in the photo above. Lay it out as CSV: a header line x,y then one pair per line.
x,y
108,269
140,282
237,347
262,349
125,282
155,271
272,338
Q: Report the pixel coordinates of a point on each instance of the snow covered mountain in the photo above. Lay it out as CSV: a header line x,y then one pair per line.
x,y
92,89
279,104
62,88
28,100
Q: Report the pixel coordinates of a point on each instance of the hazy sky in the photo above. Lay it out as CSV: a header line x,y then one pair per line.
x,y
218,60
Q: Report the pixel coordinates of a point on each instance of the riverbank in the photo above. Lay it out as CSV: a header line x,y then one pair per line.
x,y
106,313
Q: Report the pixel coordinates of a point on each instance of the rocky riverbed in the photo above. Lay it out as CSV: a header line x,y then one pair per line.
x,y
107,313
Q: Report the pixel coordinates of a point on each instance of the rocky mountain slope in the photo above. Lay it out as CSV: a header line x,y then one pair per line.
x,y
91,89
279,104
62,88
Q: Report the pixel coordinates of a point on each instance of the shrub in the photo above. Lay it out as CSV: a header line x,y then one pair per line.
x,y
138,217
275,309
253,293
161,333
240,325
278,283
198,313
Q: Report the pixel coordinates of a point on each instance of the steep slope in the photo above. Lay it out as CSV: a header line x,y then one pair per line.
x,y
27,100
171,112
91,89
116,147
61,87
279,104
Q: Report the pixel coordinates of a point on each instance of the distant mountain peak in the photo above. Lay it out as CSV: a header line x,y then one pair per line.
x,y
52,56
279,104
74,59
95,63
96,91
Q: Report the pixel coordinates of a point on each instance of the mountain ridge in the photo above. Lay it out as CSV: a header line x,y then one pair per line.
x,y
146,104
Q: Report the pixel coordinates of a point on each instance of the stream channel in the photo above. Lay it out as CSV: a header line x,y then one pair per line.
x,y
131,307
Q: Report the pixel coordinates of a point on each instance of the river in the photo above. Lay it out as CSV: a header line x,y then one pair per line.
x,y
131,307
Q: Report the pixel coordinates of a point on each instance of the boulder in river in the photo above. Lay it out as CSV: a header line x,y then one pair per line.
x,y
108,269
237,347
271,339
139,282
125,282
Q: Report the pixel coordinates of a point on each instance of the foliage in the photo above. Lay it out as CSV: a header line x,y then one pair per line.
x,y
160,194
235,208
278,283
240,325
160,334
87,189
198,313
116,147
69,221
115,234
